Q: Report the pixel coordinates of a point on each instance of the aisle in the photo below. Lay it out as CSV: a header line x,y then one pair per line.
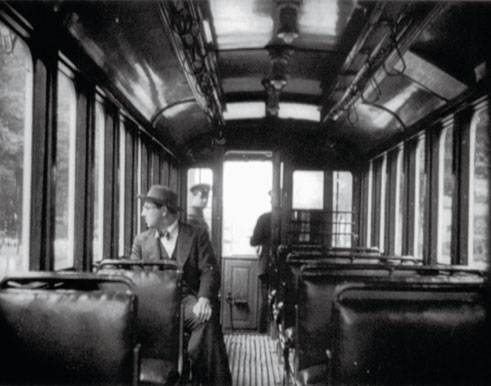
x,y
253,360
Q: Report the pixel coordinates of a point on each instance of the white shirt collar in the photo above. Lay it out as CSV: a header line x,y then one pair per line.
x,y
172,229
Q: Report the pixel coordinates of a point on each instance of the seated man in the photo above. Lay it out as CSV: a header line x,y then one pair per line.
x,y
169,238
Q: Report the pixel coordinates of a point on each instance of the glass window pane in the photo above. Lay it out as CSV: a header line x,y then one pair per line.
x,y
399,202
308,189
98,225
419,210
342,209
121,179
200,197
480,224
446,187
15,151
65,173
245,197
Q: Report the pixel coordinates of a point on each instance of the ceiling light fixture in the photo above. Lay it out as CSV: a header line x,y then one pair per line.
x,y
288,11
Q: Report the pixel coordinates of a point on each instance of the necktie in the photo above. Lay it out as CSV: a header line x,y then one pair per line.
x,y
164,233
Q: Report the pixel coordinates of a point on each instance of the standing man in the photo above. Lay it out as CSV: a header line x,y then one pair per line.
x,y
167,237
199,201
261,237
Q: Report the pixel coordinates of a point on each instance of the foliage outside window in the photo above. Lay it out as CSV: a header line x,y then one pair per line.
x,y
342,209
420,197
15,150
445,198
98,226
480,220
65,172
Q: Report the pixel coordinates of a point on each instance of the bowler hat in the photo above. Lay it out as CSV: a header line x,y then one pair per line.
x,y
163,195
203,188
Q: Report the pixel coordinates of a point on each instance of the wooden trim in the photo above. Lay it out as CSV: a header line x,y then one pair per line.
x,y
464,180
109,182
42,134
431,209
81,169
357,215
328,206
129,185
391,196
410,210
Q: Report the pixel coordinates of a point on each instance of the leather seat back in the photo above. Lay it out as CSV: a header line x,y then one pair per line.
x,y
159,305
408,333
61,334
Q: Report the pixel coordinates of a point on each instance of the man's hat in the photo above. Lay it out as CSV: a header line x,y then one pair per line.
x,y
203,188
162,195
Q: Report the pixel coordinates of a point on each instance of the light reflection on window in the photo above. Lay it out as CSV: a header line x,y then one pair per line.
x,y
399,200
480,220
420,197
98,227
15,151
445,198
65,173
342,208
308,189
245,198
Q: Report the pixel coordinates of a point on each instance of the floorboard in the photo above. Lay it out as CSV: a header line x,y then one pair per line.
x,y
253,360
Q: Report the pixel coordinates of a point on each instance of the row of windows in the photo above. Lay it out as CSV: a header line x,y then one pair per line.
x,y
81,181
430,197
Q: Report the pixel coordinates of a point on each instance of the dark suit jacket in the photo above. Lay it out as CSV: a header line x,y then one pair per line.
x,y
262,236
194,255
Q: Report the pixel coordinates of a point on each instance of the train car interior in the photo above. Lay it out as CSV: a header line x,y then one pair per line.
x,y
354,134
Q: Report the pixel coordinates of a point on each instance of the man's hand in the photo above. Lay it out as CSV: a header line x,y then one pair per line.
x,y
202,309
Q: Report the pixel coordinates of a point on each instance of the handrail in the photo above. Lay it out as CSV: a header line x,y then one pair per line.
x,y
56,279
316,269
127,263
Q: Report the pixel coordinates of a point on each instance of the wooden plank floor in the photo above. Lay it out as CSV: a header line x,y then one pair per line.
x,y
253,360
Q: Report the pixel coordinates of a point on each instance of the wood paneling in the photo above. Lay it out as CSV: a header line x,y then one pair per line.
x,y
239,293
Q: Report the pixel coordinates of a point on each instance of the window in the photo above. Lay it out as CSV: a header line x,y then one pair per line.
x,y
200,197
378,201
479,221
245,197
121,179
98,218
420,197
308,189
399,202
445,196
15,150
65,171
342,209
369,214
139,182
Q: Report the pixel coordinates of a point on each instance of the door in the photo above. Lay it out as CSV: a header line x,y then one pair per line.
x,y
247,180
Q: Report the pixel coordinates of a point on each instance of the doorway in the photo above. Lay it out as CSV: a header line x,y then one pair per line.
x,y
247,180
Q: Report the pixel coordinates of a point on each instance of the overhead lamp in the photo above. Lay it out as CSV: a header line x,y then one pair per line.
x,y
276,80
288,10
